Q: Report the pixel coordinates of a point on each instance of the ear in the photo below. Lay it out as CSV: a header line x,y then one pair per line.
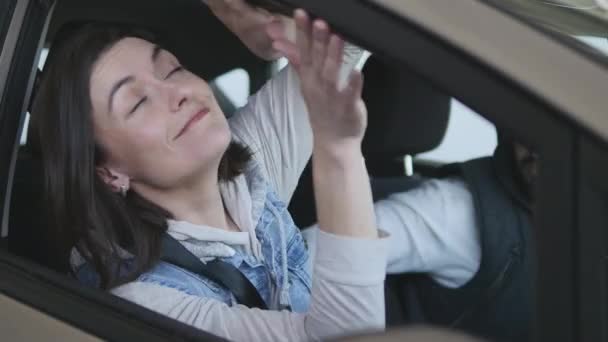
x,y
114,179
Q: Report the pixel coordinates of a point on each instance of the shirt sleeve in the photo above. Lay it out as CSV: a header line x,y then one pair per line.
x,y
274,125
347,298
432,230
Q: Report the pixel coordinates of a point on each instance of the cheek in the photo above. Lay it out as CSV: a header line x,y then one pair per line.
x,y
130,145
207,141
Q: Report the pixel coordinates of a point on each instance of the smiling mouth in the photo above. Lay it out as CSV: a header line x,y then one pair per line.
x,y
194,119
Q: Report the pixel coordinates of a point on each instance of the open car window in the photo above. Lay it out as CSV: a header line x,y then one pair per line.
x,y
468,136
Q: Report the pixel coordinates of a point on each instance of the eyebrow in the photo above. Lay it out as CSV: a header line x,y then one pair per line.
x,y
156,50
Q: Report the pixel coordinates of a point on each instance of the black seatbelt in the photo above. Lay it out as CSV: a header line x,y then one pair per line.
x,y
218,271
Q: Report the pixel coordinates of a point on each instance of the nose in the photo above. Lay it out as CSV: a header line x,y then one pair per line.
x,y
178,97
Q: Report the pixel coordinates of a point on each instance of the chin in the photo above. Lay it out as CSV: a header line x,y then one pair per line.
x,y
213,142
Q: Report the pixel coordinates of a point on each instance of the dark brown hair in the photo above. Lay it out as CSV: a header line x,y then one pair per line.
x,y
83,211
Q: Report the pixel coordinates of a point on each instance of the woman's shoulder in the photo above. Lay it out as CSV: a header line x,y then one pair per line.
x,y
164,276
172,276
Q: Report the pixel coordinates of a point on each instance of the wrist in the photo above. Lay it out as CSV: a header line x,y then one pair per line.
x,y
344,153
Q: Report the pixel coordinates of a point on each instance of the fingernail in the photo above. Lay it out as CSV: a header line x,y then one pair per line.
x,y
300,12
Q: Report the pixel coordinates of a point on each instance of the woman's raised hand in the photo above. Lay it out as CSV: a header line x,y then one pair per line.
x,y
338,118
337,113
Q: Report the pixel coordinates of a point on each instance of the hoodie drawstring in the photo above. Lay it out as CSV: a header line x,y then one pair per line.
x,y
284,300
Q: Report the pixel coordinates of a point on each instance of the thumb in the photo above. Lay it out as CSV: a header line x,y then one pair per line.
x,y
288,50
276,30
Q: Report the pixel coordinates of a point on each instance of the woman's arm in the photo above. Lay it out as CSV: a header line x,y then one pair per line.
x,y
274,123
338,119
347,298
350,264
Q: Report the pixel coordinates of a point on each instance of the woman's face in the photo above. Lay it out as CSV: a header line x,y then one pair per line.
x,y
158,124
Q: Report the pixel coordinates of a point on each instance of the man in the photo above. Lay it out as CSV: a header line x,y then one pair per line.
x,y
467,237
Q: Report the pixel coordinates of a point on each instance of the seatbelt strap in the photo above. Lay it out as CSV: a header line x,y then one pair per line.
x,y
220,272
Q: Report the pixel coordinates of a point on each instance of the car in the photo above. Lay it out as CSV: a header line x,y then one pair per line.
x,y
536,69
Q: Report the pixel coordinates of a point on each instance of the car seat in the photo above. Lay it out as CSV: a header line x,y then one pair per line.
x,y
406,116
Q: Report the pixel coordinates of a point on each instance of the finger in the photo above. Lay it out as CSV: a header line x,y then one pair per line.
x,y
227,6
320,33
218,7
286,48
238,5
243,8
276,30
336,50
303,34
289,50
354,85
333,60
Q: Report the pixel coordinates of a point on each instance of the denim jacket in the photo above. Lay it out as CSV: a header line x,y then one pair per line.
x,y
282,276
267,276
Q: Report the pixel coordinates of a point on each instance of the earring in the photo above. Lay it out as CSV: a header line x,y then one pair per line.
x,y
123,190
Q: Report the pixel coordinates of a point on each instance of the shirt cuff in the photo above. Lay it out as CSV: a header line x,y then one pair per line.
x,y
351,261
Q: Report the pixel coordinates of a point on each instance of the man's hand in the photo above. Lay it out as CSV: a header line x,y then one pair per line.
x,y
256,28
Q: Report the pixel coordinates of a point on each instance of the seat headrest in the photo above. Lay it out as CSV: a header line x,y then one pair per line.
x,y
185,27
406,114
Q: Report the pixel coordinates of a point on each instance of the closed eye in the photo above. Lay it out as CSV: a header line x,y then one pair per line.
x,y
177,69
138,104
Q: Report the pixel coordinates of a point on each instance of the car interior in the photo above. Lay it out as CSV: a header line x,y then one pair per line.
x,y
183,38
400,127
397,127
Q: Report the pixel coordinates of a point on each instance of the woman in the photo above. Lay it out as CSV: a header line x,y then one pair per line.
x,y
134,146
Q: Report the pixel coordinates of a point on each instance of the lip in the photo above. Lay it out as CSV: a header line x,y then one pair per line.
x,y
193,119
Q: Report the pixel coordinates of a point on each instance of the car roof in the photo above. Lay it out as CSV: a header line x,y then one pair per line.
x,y
186,27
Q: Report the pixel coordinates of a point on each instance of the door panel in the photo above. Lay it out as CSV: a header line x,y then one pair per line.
x,y
18,322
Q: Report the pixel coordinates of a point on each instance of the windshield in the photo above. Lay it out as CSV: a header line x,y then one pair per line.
x,y
585,20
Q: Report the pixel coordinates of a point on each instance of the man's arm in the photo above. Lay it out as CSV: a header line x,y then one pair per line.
x,y
432,228
253,26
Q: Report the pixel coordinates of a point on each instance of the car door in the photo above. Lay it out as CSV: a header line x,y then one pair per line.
x,y
17,18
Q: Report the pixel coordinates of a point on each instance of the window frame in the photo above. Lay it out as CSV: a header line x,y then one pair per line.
x,y
18,51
